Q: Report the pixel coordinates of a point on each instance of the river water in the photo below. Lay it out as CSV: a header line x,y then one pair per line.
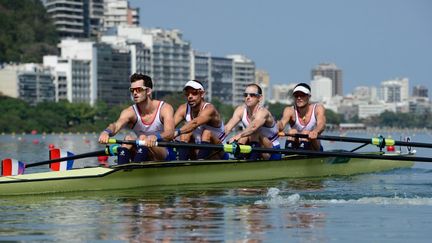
x,y
394,206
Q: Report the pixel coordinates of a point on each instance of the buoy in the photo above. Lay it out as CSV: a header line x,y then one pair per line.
x,y
34,132
390,148
35,141
103,160
51,146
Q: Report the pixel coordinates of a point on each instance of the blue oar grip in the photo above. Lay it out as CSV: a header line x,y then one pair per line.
x,y
112,149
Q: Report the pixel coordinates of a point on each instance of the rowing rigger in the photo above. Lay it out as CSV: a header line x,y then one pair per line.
x,y
378,141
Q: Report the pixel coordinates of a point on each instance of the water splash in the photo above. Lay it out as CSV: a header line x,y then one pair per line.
x,y
274,199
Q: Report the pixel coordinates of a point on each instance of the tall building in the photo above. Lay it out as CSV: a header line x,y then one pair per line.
x,y
243,74
282,93
36,85
321,88
72,18
262,78
118,12
201,70
170,55
394,91
216,73
331,71
420,91
113,71
29,82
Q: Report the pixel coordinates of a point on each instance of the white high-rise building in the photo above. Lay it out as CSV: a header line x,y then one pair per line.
x,y
118,12
331,71
321,88
243,74
170,55
394,91
282,93
74,18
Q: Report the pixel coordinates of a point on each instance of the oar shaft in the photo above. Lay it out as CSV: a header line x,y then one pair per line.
x,y
74,157
374,141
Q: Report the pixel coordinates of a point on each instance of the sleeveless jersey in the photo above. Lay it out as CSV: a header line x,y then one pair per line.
x,y
219,132
309,126
152,128
270,132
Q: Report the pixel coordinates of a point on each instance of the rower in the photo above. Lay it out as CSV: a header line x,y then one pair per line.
x,y
304,118
151,121
203,124
260,127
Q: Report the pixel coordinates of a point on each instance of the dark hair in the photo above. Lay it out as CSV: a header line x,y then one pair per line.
x,y
139,76
257,86
304,85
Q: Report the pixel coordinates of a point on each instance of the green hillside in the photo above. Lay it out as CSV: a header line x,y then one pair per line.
x,y
26,31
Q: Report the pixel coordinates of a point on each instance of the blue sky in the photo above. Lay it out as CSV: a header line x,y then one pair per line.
x,y
370,40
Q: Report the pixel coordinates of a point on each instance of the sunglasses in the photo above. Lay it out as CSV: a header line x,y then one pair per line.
x,y
251,95
137,89
193,92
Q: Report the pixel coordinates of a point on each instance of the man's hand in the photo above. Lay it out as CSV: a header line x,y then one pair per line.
x,y
104,137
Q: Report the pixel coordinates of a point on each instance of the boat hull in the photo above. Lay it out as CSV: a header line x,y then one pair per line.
x,y
148,174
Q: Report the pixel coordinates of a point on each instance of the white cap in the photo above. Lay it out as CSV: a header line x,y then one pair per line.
x,y
302,89
193,84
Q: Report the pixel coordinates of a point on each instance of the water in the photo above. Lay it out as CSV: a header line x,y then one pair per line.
x,y
394,206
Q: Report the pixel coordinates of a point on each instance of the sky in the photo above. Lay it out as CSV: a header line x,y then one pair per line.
x,y
370,40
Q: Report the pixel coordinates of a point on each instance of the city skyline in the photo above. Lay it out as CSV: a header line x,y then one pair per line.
x,y
370,41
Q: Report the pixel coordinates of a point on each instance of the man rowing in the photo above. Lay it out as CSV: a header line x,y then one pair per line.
x,y
203,124
260,127
151,120
304,118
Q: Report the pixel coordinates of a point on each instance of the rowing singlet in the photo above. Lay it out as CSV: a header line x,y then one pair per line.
x,y
216,131
270,132
308,127
155,126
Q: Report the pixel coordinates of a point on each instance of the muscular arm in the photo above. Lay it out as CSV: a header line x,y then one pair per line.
x,y
321,121
286,116
235,119
125,117
179,114
260,118
167,116
205,116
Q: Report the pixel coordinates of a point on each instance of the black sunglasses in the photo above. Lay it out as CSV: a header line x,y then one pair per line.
x,y
251,95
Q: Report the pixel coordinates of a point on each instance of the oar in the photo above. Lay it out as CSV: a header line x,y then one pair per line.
x,y
379,141
230,148
109,150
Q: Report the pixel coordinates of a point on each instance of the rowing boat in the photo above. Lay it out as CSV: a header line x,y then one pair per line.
x,y
173,173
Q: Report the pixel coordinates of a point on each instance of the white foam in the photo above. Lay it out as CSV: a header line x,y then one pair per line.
x,y
274,199
417,201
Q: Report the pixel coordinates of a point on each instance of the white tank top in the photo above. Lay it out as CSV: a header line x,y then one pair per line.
x,y
152,128
309,126
270,132
219,132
